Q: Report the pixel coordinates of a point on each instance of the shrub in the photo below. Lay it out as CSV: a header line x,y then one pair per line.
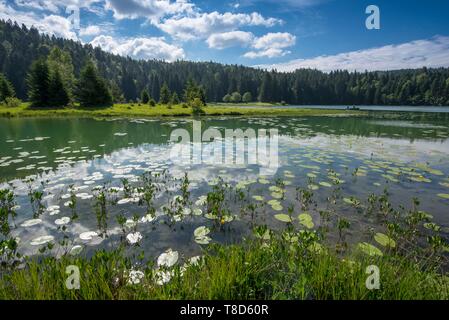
x,y
152,103
197,107
12,102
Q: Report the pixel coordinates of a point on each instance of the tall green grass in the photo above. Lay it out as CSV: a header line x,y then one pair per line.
x,y
251,270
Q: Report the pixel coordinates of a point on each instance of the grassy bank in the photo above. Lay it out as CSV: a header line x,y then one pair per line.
x,y
254,270
136,110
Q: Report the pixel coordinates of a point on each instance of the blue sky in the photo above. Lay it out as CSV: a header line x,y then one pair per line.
x,y
282,34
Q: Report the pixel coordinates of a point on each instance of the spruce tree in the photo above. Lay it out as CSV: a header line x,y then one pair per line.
x,y
165,94
144,96
91,88
38,84
6,88
58,94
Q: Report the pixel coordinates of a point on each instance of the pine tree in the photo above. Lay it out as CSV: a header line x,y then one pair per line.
x,y
6,88
144,96
58,94
165,94
91,89
38,84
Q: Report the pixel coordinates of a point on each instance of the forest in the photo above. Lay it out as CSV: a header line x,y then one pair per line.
x,y
23,50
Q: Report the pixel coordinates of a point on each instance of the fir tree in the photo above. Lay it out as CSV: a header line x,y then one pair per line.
x,y
165,94
58,94
38,84
6,88
144,97
91,89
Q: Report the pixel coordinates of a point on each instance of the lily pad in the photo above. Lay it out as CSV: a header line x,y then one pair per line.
x,y
369,249
284,218
384,240
444,195
42,240
306,220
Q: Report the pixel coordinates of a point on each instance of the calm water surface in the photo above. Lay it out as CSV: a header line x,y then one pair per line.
x,y
408,155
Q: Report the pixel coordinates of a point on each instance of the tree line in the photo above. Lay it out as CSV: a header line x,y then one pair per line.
x,y
128,79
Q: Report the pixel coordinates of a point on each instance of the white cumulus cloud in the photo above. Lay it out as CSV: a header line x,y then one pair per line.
x,y
432,53
203,25
50,24
230,39
271,45
90,31
151,9
140,48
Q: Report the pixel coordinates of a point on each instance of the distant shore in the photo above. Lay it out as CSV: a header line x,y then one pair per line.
x,y
140,110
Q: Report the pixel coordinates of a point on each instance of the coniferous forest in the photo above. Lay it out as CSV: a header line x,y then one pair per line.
x,y
23,52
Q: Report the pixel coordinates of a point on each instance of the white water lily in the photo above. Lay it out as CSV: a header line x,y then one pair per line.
x,y
89,235
130,223
194,261
168,258
200,234
68,203
134,238
135,277
148,218
186,211
201,201
53,208
63,221
162,277
41,240
30,223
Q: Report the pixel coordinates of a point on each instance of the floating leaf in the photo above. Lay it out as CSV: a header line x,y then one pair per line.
x,y
325,184
306,220
384,240
444,195
42,240
284,218
30,223
369,249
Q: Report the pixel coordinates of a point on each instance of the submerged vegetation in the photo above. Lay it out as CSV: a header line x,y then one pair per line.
x,y
305,255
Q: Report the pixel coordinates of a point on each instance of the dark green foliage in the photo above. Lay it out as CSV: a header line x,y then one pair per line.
x,y
144,97
236,97
165,94
227,98
20,46
193,91
6,88
39,83
175,98
152,102
91,88
58,93
247,97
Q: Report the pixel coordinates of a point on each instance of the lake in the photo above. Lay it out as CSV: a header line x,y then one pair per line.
x,y
426,109
342,160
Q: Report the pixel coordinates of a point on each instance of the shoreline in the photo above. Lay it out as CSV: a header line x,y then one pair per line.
x,y
159,111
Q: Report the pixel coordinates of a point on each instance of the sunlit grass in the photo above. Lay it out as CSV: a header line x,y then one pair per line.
x,y
252,270
141,110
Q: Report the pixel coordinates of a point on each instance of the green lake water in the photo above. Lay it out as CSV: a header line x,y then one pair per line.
x,y
407,154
